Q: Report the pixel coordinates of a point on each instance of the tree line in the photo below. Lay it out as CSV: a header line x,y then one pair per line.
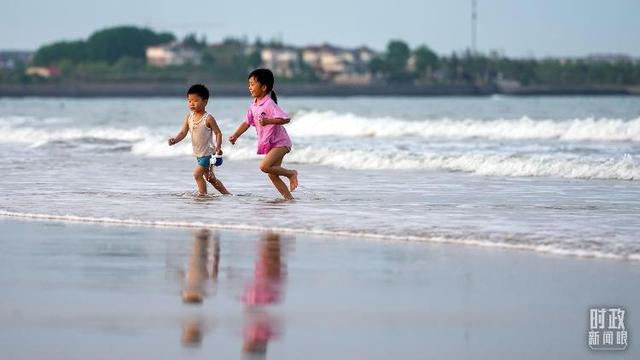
x,y
119,54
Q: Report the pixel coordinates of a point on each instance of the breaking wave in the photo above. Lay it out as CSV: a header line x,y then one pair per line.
x,y
327,123
623,168
362,155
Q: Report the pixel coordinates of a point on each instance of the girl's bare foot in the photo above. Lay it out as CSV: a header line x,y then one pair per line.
x,y
293,181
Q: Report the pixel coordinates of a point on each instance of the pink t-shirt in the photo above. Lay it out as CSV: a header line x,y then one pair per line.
x,y
269,136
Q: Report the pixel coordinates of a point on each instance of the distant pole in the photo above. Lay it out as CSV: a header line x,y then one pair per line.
x,y
474,20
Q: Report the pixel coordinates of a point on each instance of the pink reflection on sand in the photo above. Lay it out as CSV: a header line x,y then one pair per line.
x,y
264,289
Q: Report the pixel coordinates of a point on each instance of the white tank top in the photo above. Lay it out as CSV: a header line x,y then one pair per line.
x,y
201,138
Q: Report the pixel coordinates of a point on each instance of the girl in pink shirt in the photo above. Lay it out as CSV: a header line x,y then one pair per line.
x,y
268,119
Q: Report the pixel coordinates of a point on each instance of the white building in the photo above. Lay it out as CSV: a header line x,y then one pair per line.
x,y
327,59
172,54
283,61
331,62
365,54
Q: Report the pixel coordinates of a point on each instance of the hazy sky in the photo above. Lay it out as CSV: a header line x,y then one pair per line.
x,y
515,27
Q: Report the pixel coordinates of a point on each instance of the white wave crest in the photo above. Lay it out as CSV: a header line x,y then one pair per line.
x,y
327,123
143,141
40,136
13,120
147,143
156,146
624,168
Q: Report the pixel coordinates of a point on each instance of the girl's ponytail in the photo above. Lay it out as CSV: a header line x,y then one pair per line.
x,y
274,97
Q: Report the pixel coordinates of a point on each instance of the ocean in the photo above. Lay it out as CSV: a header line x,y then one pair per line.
x,y
555,175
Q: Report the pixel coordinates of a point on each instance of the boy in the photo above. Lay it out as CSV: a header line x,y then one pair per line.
x,y
202,125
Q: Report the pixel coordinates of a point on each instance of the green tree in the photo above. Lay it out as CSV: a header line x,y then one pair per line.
x,y
425,58
192,40
258,44
109,45
377,65
254,60
397,55
73,51
207,58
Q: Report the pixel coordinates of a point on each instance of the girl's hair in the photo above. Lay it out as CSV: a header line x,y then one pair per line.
x,y
265,77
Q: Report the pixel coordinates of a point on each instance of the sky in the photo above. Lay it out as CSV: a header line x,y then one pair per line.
x,y
516,28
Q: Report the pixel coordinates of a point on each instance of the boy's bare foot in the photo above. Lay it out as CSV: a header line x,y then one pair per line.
x,y
192,296
293,181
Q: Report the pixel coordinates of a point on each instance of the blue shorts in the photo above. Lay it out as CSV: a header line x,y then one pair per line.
x,y
204,161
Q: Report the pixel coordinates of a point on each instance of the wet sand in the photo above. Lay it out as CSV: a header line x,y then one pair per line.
x,y
77,291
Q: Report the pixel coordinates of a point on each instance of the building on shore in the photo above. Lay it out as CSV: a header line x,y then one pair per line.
x,y
334,63
10,59
172,54
284,61
326,62
43,71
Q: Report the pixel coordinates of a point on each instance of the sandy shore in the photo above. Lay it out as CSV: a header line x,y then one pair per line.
x,y
77,291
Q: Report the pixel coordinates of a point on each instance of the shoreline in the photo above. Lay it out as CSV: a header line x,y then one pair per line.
x,y
543,250
88,90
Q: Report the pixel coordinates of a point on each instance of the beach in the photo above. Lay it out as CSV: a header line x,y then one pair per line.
x,y
74,291
422,227
453,184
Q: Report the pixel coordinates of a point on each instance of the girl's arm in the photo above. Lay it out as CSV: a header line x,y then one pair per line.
x,y
213,125
182,133
275,116
239,131
276,121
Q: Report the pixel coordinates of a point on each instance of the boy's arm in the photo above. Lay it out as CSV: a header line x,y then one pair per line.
x,y
182,133
239,131
213,125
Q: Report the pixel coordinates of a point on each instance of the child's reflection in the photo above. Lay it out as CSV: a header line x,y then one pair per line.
x,y
204,251
192,332
266,286
264,289
197,273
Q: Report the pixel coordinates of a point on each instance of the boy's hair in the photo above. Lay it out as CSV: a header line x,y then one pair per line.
x,y
200,90
265,77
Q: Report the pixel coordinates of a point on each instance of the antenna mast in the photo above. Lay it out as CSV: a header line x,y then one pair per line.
x,y
474,20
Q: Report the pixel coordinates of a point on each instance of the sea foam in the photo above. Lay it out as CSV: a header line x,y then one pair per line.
x,y
327,123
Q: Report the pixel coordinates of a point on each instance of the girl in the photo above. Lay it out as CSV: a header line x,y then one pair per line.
x,y
273,140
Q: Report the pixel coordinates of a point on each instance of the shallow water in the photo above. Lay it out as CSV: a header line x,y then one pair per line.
x,y
558,175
